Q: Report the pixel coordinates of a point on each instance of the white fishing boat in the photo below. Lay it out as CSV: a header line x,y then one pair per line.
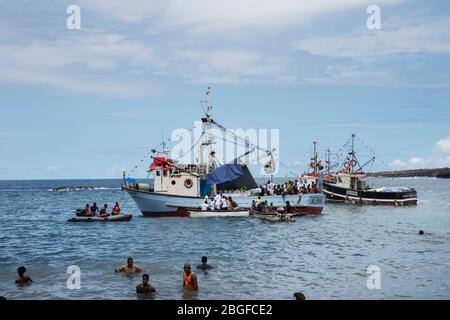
x,y
178,187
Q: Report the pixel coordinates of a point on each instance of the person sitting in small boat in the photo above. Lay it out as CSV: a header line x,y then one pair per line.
x,y
204,266
129,268
145,286
23,279
94,209
288,208
116,209
253,205
223,203
205,206
232,205
104,211
261,206
87,211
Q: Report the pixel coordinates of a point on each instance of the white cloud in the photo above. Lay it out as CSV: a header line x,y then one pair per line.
x,y
424,36
445,161
413,163
443,145
398,165
210,16
440,156
83,64
52,168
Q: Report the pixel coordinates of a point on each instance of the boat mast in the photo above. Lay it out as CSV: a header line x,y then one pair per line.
x,y
328,161
352,154
207,134
315,158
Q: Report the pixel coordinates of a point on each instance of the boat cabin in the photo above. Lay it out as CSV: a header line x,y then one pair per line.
x,y
184,180
350,181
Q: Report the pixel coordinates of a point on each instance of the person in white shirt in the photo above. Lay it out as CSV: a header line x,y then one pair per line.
x,y
217,201
223,203
205,206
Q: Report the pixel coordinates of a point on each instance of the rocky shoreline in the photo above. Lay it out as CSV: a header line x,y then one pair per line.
x,y
443,173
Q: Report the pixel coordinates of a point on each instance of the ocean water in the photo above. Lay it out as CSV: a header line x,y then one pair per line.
x,y
325,257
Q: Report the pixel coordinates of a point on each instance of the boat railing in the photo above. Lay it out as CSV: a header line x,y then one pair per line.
x,y
190,168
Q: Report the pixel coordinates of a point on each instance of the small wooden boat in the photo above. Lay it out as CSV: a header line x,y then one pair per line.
x,y
117,218
197,213
273,216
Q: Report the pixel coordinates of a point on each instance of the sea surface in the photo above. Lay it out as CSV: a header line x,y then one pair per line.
x,y
325,257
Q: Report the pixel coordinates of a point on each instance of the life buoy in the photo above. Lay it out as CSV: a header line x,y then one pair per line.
x,y
353,163
347,165
188,183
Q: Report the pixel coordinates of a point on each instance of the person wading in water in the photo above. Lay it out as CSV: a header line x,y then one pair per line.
x,y
189,278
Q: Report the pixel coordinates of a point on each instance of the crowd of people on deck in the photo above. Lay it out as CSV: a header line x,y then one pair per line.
x,y
290,187
94,211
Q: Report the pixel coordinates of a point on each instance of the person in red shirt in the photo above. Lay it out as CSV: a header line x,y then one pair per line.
x,y
116,209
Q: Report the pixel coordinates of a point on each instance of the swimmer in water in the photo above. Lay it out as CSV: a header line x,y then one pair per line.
x,y
204,266
23,279
299,296
129,268
145,286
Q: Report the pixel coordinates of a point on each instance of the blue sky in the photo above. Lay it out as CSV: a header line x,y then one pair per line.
x,y
90,103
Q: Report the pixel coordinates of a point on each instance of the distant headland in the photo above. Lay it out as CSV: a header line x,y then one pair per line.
x,y
436,173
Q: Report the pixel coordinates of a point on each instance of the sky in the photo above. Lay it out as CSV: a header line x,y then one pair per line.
x,y
91,102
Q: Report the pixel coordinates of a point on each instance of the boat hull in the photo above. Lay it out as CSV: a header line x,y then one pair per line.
x,y
339,194
153,204
273,216
118,218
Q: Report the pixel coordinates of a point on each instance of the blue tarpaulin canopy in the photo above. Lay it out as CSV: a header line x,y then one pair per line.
x,y
227,172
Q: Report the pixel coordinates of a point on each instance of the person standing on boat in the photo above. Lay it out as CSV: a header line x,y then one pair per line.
x,y
217,201
189,278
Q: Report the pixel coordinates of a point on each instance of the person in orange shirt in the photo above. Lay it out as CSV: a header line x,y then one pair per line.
x,y
189,278
116,209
